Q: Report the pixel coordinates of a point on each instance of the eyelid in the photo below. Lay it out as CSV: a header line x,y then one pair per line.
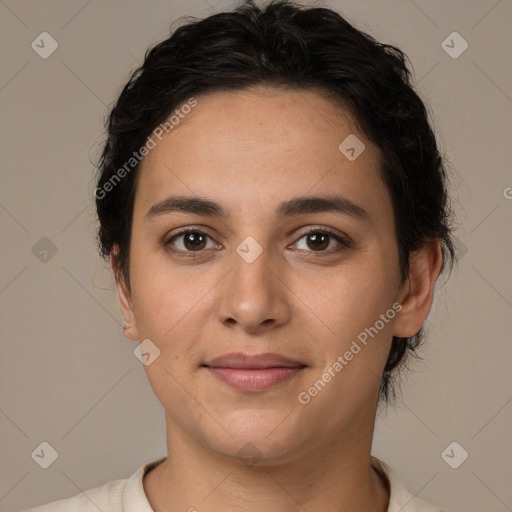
x,y
342,239
186,229
183,231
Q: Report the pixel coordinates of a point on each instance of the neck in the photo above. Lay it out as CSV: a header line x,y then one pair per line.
x,y
334,476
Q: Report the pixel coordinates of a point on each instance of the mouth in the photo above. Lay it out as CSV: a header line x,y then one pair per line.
x,y
253,373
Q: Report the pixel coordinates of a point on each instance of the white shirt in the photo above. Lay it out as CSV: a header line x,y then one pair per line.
x,y
128,495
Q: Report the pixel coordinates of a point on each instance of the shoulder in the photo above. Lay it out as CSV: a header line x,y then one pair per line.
x,y
116,496
107,497
400,499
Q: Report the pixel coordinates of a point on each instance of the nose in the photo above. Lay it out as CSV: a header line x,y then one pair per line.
x,y
254,295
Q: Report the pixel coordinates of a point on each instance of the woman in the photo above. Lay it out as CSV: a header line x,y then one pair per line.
x,y
274,207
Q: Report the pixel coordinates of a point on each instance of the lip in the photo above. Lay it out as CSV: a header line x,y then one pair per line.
x,y
239,360
253,373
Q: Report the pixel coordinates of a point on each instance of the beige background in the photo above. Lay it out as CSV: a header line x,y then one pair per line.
x,y
68,377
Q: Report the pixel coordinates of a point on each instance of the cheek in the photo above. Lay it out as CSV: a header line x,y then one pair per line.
x,y
353,297
357,307
163,294
359,313
172,307
168,311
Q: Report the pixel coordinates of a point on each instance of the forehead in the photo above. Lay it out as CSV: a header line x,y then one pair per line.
x,y
259,142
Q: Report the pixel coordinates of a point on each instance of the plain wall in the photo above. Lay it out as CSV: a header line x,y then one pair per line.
x,y
69,377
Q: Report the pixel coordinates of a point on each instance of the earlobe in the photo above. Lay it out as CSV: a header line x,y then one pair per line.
x,y
418,290
125,301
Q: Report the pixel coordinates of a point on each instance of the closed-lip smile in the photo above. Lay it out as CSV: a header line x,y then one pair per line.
x,y
253,373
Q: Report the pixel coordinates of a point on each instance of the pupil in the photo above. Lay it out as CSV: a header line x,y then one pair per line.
x,y
319,241
194,241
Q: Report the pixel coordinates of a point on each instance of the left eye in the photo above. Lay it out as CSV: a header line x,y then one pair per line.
x,y
321,241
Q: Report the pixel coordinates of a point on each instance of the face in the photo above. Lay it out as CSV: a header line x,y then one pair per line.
x,y
290,252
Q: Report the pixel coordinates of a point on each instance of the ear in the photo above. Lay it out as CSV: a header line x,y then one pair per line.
x,y
125,299
417,292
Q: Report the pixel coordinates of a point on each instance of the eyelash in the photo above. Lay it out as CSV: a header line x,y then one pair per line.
x,y
344,243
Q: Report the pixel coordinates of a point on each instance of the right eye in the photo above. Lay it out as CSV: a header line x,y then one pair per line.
x,y
189,241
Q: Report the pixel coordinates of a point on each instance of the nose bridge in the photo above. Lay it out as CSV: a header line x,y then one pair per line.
x,y
252,294
251,271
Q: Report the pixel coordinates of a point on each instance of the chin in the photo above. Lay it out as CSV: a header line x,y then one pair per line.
x,y
270,436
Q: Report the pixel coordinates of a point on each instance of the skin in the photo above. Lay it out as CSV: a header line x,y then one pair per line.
x,y
249,151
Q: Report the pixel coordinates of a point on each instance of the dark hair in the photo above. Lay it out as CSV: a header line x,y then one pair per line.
x,y
292,47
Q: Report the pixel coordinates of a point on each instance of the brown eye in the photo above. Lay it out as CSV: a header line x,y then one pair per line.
x,y
194,241
189,241
318,241
322,241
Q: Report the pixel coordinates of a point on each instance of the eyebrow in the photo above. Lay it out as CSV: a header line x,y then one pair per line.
x,y
289,208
